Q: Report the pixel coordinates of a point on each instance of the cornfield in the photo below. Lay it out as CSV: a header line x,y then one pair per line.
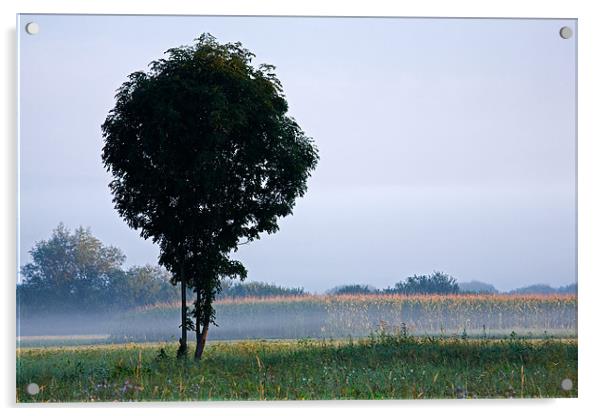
x,y
322,316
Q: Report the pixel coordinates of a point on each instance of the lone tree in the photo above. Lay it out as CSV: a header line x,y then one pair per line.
x,y
204,159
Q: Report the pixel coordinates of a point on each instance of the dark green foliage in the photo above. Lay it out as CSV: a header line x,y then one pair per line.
x,y
70,271
144,285
352,290
204,157
257,289
436,283
76,272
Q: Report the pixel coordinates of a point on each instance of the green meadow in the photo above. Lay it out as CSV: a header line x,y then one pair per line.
x,y
381,366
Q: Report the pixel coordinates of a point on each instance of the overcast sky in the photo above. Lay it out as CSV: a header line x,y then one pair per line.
x,y
445,144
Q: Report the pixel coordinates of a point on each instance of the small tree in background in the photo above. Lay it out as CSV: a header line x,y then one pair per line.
x,y
204,158
71,271
143,285
436,283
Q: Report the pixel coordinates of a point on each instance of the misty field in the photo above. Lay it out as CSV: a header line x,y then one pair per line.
x,y
360,315
321,347
322,317
378,367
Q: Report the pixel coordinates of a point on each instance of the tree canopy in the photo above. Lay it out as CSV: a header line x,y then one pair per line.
x,y
435,283
73,271
204,157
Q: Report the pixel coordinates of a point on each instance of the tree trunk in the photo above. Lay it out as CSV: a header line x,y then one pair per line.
x,y
197,325
201,336
183,349
201,340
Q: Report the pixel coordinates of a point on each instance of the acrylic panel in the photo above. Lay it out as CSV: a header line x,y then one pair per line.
x,y
296,208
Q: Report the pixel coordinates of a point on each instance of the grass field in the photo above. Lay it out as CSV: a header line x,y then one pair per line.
x,y
377,367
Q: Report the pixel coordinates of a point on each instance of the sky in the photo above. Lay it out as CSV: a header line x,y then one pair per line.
x,y
445,144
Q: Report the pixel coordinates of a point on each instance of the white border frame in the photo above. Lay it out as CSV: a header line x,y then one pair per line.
x,y
590,194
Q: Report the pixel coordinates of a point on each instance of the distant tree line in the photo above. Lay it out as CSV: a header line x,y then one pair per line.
x,y
355,289
435,283
76,272
545,290
73,271
257,289
440,283
475,286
